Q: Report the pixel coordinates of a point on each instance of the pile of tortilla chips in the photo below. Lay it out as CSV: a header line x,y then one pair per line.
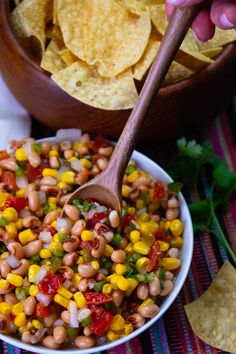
x,y
213,315
97,50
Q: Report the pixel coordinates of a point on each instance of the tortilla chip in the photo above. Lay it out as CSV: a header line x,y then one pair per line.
x,y
71,19
140,69
67,57
176,73
52,61
114,37
212,53
29,20
83,83
213,315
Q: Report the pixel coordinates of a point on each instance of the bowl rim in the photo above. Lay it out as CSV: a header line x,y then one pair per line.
x,y
166,90
180,279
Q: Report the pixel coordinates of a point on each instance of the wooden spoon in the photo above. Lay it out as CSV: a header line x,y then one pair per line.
x,y
106,187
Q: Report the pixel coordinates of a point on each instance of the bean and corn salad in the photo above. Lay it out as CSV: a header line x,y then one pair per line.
x,y
91,276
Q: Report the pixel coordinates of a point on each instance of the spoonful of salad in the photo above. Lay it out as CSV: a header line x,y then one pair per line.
x,y
106,187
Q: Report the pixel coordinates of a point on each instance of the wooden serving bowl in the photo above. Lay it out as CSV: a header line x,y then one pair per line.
x,y
188,102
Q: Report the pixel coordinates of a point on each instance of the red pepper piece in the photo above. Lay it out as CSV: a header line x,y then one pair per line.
x,y
97,217
159,191
50,283
154,257
101,321
42,311
50,228
99,141
33,173
9,179
4,155
96,298
15,202
160,235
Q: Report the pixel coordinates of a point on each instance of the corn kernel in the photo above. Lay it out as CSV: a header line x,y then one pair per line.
x,y
80,260
134,236
3,197
32,272
37,324
20,193
49,172
154,205
164,246
140,204
128,328
86,163
123,283
129,248
64,292
76,279
17,308
0,171
141,248
170,263
148,301
56,236
68,177
33,290
144,217
52,200
10,214
126,190
87,235
21,155
112,336
73,158
52,206
142,263
108,251
117,323
45,253
5,308
62,185
4,255
131,210
176,242
53,153
19,224
113,278
107,289
11,228
80,299
149,227
20,320
176,227
56,246
167,225
61,300
26,236
95,265
120,269
15,279
133,283
4,285
133,176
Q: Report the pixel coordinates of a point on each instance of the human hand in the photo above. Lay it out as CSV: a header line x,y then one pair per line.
x,y
220,13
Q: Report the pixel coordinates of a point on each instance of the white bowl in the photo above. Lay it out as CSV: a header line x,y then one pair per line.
x,y
155,171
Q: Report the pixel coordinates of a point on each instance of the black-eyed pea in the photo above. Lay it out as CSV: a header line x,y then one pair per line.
x,y
68,154
65,316
87,331
66,272
84,342
102,163
49,181
4,324
51,216
64,198
31,222
78,227
149,311
85,138
59,334
117,297
155,287
34,200
72,244
49,321
11,298
123,243
172,213
173,252
65,145
169,275
114,219
105,151
136,320
70,259
142,291
34,158
30,305
16,249
72,212
50,343
26,337
94,171
168,287
6,291
46,147
4,268
32,248
54,162
118,256
83,285
22,269
173,202
86,270
99,248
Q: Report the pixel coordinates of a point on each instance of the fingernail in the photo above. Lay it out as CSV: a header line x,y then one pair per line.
x,y
225,22
176,2
197,39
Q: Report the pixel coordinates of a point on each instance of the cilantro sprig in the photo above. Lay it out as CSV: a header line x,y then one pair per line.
x,y
193,163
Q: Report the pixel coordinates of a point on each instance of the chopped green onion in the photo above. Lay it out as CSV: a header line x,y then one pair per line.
x,y
58,253
75,268
37,148
20,172
86,206
62,238
72,332
110,306
3,221
133,257
98,286
161,276
145,278
130,169
35,259
124,211
116,240
47,208
21,293
86,321
77,202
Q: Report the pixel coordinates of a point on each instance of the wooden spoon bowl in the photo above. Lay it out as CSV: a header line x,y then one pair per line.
x,y
188,102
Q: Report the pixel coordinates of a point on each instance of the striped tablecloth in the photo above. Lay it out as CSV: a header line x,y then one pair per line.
x,y
172,333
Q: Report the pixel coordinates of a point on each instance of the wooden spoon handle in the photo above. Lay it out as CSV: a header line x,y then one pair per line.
x,y
175,33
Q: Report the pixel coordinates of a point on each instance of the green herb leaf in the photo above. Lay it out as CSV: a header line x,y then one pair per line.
x,y
86,321
161,275
130,169
98,286
37,148
20,172
175,187
86,206
191,148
